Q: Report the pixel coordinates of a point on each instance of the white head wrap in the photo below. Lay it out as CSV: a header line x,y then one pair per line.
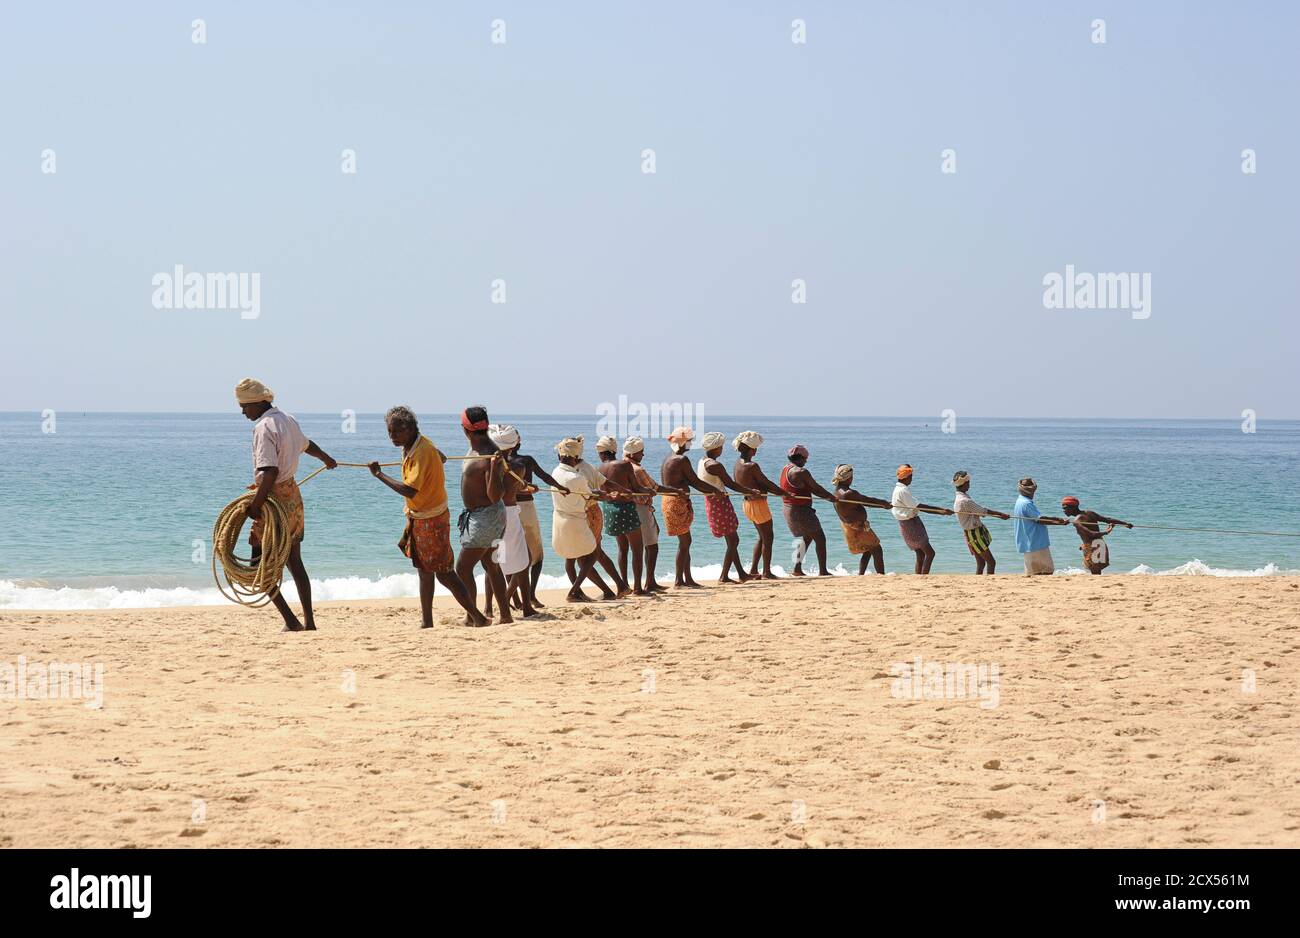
x,y
748,438
712,440
503,435
607,444
633,445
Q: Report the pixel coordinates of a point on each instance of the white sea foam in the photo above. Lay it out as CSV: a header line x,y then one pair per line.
x,y
401,585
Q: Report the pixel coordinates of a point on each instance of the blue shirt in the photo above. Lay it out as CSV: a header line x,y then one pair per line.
x,y
1030,535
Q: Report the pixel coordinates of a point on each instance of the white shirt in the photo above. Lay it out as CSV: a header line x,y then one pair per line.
x,y
575,480
278,441
968,511
595,478
904,502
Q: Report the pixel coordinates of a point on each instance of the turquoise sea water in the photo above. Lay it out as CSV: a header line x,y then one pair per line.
x,y
107,509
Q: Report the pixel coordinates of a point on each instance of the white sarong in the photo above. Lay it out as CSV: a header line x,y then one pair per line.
x,y
512,554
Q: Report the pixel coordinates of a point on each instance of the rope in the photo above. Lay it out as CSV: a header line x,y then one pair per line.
x,y
255,583
251,583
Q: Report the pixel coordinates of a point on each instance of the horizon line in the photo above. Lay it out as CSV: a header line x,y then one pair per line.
x,y
519,413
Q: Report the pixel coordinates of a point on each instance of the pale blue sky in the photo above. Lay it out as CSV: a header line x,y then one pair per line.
x,y
775,161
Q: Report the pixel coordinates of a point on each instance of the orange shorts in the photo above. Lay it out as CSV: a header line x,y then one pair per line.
x,y
756,510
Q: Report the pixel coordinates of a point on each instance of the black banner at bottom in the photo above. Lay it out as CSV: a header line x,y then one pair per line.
x,y
212,887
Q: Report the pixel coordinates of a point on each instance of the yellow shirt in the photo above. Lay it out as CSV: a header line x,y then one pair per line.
x,y
422,471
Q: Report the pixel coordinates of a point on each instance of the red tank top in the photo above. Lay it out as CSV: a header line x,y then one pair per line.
x,y
786,486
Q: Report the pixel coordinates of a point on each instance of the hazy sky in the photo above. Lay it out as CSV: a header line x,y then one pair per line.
x,y
775,161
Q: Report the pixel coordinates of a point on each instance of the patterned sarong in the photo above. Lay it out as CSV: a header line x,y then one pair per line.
x,y
621,518
978,540
595,518
722,517
286,493
1096,556
678,514
859,536
427,541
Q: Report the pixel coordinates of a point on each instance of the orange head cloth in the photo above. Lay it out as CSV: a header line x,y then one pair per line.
x,y
904,471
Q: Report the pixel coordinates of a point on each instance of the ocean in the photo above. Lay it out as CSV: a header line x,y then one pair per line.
x,y
116,510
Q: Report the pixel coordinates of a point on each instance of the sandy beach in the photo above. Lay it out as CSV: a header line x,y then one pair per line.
x,y
1130,711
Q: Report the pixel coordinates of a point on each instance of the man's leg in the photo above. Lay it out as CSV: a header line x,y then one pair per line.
x,y
929,558
607,565
465,563
820,539
920,560
426,599
456,586
303,582
798,565
621,540
651,559
758,551
768,537
535,575
631,542
495,581
684,576
581,569
878,554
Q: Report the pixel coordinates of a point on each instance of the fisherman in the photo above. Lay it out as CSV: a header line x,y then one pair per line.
x,y
798,488
596,482
512,555
1096,553
427,538
526,467
634,450
278,442
722,518
969,512
571,535
748,473
1030,527
622,519
679,476
905,510
852,509
482,523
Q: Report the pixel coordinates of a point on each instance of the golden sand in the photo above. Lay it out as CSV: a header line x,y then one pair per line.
x,y
1131,711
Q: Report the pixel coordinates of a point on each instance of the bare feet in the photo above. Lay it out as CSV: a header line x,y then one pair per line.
x,y
572,597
